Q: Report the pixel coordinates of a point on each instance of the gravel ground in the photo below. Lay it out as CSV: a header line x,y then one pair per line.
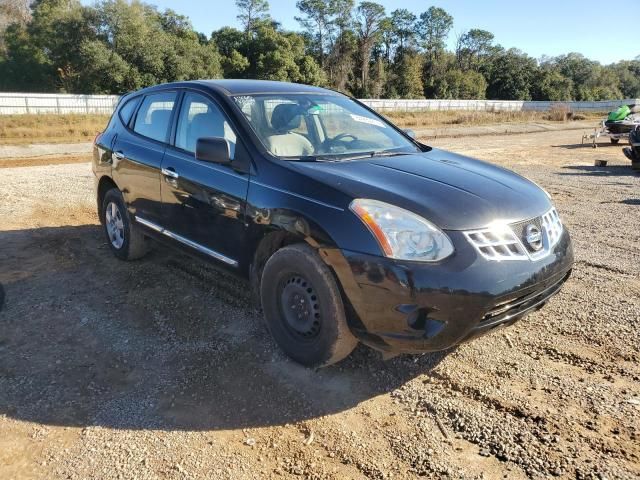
x,y
161,369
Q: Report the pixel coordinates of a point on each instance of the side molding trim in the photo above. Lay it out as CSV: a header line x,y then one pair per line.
x,y
186,241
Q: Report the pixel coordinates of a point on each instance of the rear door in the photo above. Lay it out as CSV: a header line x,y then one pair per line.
x,y
204,203
137,155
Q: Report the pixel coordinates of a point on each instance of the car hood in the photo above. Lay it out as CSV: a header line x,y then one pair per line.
x,y
450,190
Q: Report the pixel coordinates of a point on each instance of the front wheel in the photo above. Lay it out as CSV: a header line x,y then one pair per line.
x,y
614,140
303,307
125,239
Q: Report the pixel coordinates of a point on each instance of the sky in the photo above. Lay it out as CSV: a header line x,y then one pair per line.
x,y
539,27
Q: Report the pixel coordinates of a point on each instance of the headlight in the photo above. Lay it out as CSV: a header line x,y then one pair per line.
x,y
402,235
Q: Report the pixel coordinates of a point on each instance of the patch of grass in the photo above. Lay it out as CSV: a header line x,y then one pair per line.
x,y
24,129
472,118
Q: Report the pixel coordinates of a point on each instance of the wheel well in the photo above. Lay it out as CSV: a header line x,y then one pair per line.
x,y
105,184
269,245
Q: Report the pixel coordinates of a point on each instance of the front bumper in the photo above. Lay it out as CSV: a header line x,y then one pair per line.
x,y
409,307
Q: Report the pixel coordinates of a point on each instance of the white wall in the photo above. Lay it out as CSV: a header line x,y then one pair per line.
x,y
493,105
22,103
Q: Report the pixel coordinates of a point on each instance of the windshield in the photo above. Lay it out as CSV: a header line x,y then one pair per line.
x,y
320,127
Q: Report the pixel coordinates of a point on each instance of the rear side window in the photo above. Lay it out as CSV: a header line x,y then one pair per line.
x,y
154,115
127,110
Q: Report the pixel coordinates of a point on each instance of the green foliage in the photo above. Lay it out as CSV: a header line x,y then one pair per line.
x,y
463,85
409,80
552,85
510,75
114,46
473,48
251,13
267,54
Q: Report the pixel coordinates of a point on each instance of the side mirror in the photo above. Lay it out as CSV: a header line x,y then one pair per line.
x,y
410,133
213,149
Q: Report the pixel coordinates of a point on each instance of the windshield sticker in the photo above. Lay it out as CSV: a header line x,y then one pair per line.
x,y
370,121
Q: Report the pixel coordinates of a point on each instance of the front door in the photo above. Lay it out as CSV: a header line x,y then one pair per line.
x,y
203,203
137,156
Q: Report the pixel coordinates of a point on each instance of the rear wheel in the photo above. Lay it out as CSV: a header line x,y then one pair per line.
x,y
125,239
303,307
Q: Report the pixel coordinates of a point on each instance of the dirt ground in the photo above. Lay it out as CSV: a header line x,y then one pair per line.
x,y
161,369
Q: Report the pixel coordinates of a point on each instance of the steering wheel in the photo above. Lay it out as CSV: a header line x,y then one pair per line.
x,y
341,136
330,142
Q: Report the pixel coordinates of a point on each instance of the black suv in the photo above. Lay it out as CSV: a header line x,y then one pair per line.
x,y
347,228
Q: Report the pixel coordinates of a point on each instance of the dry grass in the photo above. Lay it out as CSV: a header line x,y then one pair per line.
x,y
22,129
462,118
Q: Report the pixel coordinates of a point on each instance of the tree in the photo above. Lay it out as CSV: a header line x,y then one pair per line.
x,y
433,28
319,21
510,75
462,85
251,12
628,73
268,53
404,23
551,85
13,12
342,61
409,74
111,47
471,47
367,21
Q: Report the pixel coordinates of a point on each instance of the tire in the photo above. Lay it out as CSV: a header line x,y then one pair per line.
x,y
303,307
127,242
614,140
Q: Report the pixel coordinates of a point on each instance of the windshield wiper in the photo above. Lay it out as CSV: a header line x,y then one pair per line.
x,y
343,157
372,154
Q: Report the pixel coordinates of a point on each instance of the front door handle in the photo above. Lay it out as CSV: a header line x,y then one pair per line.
x,y
170,172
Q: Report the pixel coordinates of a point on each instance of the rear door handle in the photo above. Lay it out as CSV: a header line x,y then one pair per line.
x,y
170,172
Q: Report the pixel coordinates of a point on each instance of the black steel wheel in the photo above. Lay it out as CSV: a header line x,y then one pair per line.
x,y
299,307
303,307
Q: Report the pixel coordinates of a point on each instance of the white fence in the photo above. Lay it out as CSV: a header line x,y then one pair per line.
x,y
24,103
494,105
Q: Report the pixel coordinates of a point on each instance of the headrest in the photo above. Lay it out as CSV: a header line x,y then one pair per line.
x,y
209,124
160,117
285,117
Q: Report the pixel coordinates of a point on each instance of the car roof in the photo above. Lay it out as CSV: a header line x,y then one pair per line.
x,y
247,87
242,87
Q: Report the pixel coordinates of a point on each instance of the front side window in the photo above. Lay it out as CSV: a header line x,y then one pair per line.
x,y
200,118
320,127
154,116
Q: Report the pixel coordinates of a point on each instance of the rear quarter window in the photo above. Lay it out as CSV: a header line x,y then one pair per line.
x,y
126,111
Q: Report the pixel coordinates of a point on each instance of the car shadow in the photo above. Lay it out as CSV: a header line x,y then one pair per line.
x,y
163,343
607,171
573,146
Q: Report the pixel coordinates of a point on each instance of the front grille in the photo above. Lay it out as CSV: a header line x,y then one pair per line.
x,y
506,310
520,229
553,226
508,242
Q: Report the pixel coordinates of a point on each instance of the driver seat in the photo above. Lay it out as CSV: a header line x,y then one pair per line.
x,y
284,142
